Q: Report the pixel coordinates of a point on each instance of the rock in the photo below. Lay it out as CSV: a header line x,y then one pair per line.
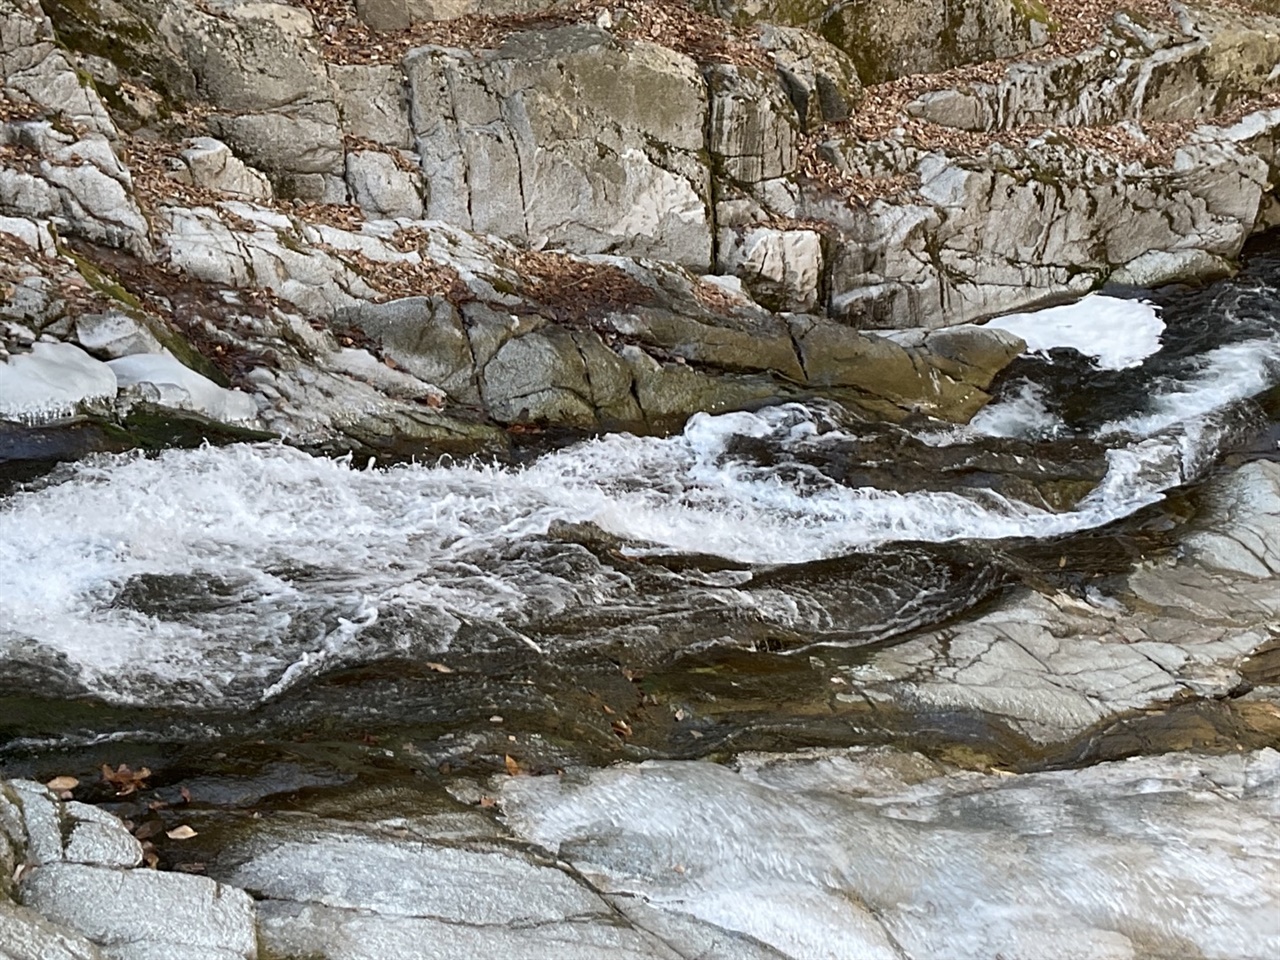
x,y
541,377
110,336
144,913
210,164
258,65
1149,73
820,79
667,393
53,380
381,188
950,256
96,838
391,15
747,343
1157,268
782,268
1051,667
354,891
567,135
426,336
372,103
835,356
159,378
77,184
751,130
301,149
1244,517
35,70
25,935
888,40
1114,860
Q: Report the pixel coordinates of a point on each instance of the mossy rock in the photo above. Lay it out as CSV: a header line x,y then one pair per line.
x,y
124,33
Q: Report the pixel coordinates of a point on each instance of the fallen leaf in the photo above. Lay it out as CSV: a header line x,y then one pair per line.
x,y
621,728
186,795
58,784
125,781
183,832
148,829
438,667
151,860
487,802
513,768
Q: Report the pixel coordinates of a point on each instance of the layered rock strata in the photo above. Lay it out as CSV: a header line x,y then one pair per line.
x,y
603,216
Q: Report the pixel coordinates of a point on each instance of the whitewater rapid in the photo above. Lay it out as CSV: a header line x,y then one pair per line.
x,y
242,570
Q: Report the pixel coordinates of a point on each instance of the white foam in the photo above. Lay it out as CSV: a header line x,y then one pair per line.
x,y
1117,333
1021,413
53,380
1228,374
448,545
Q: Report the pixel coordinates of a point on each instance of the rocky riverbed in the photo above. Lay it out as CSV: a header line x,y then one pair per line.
x,y
663,479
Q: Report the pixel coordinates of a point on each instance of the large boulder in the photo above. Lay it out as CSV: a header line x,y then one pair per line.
x,y
567,137
890,39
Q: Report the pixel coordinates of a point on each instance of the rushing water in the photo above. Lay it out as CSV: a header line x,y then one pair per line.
x,y
231,578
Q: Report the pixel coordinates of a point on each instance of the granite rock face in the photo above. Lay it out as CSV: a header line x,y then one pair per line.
x,y
82,894
567,137
577,139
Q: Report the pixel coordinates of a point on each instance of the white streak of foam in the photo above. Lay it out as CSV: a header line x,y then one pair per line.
x,y
450,544
1117,333
1228,374
1021,413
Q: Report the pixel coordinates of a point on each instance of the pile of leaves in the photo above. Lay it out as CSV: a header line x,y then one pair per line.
x,y
345,39
574,290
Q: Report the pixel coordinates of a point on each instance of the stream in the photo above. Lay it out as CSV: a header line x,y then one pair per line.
x,y
258,625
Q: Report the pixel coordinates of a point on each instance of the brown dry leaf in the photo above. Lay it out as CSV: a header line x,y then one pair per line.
x,y
183,832
488,802
148,829
438,667
125,781
151,860
621,728
58,784
513,768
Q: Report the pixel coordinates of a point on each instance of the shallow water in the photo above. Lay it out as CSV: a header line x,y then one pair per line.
x,y
181,605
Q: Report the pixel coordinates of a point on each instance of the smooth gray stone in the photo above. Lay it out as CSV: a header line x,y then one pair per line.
x,y
144,908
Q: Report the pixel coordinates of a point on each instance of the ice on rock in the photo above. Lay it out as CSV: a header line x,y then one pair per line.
x,y
1117,333
181,388
53,380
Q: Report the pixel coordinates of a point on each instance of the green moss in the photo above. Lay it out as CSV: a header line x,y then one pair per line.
x,y
168,338
1032,10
